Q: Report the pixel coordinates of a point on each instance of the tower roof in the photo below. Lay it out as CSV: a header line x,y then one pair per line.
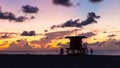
x,y
80,37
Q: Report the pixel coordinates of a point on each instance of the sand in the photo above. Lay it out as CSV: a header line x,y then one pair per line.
x,y
59,61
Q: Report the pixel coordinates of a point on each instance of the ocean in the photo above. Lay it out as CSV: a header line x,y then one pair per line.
x,y
56,52
107,52
35,52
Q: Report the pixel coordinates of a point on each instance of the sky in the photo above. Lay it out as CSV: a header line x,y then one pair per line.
x,y
48,14
51,12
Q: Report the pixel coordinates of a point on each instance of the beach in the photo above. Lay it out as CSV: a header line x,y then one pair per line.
x,y
59,61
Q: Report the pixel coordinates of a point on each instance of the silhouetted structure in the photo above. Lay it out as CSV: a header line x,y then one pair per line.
x,y
76,47
26,33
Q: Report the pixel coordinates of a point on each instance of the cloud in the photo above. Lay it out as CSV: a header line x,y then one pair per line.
x,y
112,35
32,17
12,17
7,15
50,37
70,23
104,31
88,34
95,1
19,45
30,33
5,35
111,44
90,19
21,19
55,26
66,3
29,9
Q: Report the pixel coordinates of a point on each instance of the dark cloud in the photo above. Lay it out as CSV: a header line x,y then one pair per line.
x,y
56,26
29,9
95,1
12,17
7,15
88,34
62,2
90,19
21,19
52,27
30,33
112,35
45,30
70,23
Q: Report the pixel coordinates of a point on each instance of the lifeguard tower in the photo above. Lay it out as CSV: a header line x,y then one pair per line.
x,y
76,46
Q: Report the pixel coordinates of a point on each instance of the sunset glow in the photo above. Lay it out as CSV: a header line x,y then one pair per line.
x,y
48,14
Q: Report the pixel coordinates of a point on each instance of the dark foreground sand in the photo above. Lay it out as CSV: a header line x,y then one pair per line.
x,y
57,61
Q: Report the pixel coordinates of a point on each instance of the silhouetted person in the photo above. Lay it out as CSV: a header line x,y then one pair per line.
x,y
61,51
91,51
